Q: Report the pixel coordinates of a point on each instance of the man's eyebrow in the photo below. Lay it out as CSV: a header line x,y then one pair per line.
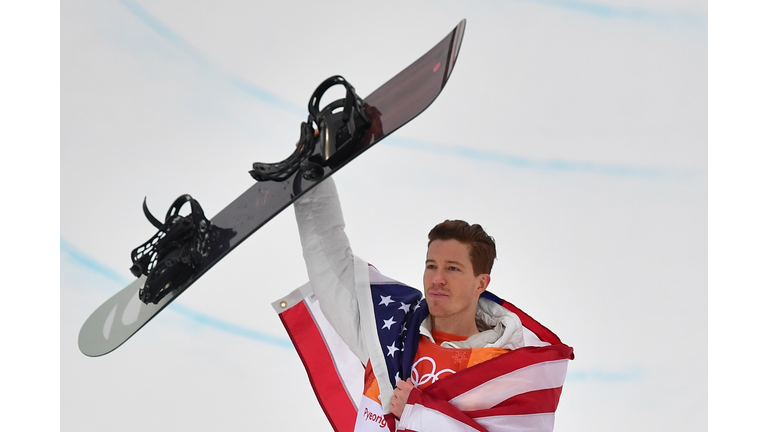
x,y
447,262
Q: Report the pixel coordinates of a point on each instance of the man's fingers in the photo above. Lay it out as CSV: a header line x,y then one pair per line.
x,y
317,132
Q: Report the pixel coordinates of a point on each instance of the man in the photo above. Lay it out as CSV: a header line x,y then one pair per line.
x,y
460,329
457,271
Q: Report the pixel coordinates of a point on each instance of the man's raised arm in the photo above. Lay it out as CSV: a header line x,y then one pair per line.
x,y
330,262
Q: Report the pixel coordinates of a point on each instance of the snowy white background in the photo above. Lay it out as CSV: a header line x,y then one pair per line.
x,y
574,132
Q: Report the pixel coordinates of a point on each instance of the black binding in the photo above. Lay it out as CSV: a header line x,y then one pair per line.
x,y
170,257
338,133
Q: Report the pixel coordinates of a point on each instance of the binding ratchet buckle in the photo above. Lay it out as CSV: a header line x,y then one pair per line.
x,y
340,125
171,256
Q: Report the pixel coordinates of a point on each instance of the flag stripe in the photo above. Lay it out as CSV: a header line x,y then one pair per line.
x,y
433,420
533,402
315,356
348,366
519,423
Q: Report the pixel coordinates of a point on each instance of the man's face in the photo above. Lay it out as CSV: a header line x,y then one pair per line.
x,y
450,285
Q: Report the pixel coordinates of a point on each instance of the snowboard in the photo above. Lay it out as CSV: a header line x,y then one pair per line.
x,y
389,107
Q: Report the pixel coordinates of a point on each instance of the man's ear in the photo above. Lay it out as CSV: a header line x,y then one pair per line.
x,y
483,281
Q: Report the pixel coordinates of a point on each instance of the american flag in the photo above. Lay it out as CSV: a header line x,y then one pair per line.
x,y
517,391
398,310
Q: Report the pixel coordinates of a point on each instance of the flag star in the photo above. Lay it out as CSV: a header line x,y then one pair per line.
x,y
388,323
403,329
418,305
392,349
397,377
405,307
386,300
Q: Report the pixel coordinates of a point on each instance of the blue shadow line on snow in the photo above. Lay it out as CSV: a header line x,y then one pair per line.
x,y
528,163
93,265
229,327
268,97
604,376
607,11
166,33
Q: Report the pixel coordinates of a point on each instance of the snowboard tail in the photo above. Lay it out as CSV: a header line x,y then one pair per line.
x,y
398,101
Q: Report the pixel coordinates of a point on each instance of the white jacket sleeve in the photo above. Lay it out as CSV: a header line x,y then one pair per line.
x,y
330,262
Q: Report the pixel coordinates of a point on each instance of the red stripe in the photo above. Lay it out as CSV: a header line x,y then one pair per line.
x,y
533,402
390,419
417,397
467,379
327,385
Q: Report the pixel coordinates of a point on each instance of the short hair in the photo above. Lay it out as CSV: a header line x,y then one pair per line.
x,y
482,247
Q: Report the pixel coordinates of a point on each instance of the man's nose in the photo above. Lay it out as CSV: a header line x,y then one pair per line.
x,y
439,277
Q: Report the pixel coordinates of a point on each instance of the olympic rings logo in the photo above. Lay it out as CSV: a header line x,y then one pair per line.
x,y
427,378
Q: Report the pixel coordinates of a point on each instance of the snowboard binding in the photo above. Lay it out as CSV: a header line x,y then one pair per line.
x,y
338,132
171,256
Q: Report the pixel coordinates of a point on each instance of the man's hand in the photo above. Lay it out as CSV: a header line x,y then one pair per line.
x,y
400,397
317,132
